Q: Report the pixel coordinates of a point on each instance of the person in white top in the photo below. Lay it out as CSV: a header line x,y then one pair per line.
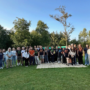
x,y
88,52
22,55
26,57
14,57
4,61
9,57
72,53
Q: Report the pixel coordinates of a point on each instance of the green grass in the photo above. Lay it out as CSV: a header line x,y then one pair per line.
x,y
30,78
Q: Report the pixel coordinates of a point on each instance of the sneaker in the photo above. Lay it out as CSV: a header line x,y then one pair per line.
x,y
0,67
26,66
17,64
81,64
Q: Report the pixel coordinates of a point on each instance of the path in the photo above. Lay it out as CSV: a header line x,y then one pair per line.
x,y
57,65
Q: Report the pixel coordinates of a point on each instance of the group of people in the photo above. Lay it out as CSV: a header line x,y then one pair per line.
x,y
72,54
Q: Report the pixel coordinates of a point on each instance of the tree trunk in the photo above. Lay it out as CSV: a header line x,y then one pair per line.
x,y
66,42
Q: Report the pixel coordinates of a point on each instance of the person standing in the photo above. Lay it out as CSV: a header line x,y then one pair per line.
x,y
66,54
72,54
80,54
49,55
36,56
63,56
52,51
9,58
26,57
86,55
46,55
14,57
88,52
1,59
31,53
22,51
76,56
56,53
18,56
59,53
41,54
4,58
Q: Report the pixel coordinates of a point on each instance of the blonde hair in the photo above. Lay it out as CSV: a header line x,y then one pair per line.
x,y
9,48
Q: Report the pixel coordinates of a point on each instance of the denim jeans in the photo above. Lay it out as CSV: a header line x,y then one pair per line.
x,y
75,59
4,62
13,60
32,59
86,59
89,58
0,62
46,58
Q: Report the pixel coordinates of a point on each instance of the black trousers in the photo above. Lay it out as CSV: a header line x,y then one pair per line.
x,y
49,58
52,58
26,61
73,60
80,60
64,59
56,56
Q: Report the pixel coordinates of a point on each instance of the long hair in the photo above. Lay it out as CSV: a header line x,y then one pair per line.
x,y
72,49
9,48
26,51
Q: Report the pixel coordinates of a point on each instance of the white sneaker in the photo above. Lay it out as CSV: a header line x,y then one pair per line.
x,y
19,63
58,61
1,68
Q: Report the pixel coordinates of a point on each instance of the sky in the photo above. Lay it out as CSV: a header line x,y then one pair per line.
x,y
35,10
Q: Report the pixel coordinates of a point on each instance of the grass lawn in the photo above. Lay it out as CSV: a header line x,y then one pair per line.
x,y
30,78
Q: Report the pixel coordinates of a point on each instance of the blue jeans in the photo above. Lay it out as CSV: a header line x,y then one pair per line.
x,y
4,62
46,58
86,59
13,60
75,59
0,62
32,59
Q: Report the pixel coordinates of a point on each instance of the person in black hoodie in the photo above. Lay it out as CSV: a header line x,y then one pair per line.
x,y
52,52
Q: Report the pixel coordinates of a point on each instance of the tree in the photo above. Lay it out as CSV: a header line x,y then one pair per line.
x,y
42,30
21,36
88,38
41,26
83,37
63,19
62,42
35,37
74,41
83,34
5,40
54,40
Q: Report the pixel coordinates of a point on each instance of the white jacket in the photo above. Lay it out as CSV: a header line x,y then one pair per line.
x,y
72,53
26,55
